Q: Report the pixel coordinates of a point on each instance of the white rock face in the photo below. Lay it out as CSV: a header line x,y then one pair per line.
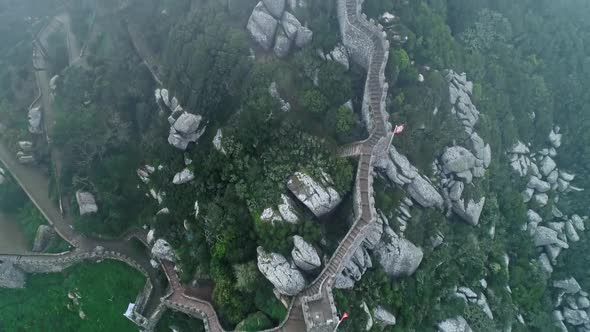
x,y
570,286
575,317
304,254
547,165
184,176
217,141
457,324
424,193
555,139
285,276
262,26
86,202
538,184
340,55
457,159
383,316
287,210
546,236
163,251
398,256
35,120
470,212
354,269
318,196
184,130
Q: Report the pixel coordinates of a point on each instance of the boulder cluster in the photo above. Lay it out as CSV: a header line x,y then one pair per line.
x,y
184,126
458,166
284,275
318,194
545,176
479,299
273,27
572,306
284,212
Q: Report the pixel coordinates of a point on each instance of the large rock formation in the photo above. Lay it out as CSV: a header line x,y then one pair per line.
x,y
274,28
383,316
86,202
285,276
11,276
424,193
471,211
354,269
319,196
285,212
457,324
43,238
457,159
398,256
163,250
34,118
185,130
304,254
184,176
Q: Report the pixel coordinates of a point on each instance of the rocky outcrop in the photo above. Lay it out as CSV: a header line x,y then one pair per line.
x,y
354,269
25,146
457,159
34,117
398,256
11,276
163,251
284,275
184,176
383,316
284,212
469,211
184,130
457,324
318,195
144,173
424,193
86,202
45,234
218,141
274,92
569,286
184,126
304,254
274,28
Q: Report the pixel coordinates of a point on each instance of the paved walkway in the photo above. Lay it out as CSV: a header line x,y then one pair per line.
x,y
314,308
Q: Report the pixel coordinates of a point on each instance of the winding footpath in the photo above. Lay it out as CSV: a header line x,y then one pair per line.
x,y
313,309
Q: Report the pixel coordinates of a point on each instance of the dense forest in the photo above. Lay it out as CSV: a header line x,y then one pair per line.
x,y
529,63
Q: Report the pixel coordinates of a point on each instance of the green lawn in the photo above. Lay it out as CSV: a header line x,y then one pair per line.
x,y
104,291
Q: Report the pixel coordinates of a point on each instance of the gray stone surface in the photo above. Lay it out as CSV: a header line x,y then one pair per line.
x,y
457,159
578,222
282,44
471,211
34,118
304,254
284,275
570,286
275,7
545,263
457,324
354,268
86,202
383,316
398,256
538,184
570,232
43,238
340,55
184,176
547,165
424,193
304,37
555,139
262,26
575,317
11,276
318,195
163,251
291,25
546,236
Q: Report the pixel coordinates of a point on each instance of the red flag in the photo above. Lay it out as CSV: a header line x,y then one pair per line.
x,y
398,129
344,316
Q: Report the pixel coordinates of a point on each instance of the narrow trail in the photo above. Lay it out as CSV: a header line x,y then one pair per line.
x,y
313,309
